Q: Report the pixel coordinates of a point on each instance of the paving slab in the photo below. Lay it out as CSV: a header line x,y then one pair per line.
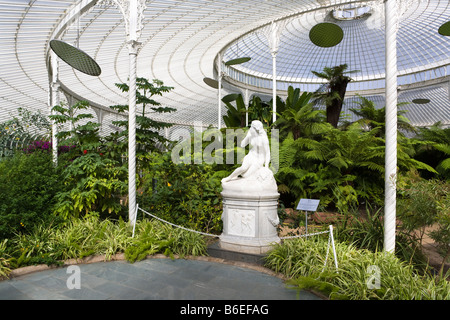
x,y
152,279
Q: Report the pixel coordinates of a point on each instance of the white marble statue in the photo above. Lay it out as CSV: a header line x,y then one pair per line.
x,y
258,156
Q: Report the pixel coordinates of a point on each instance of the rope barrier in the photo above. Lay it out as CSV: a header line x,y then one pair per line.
x,y
330,238
305,235
177,226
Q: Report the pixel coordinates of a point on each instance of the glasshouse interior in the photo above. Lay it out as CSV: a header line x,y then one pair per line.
x,y
306,138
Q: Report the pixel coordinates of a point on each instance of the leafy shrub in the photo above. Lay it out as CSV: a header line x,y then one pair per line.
x,y
93,183
28,186
187,195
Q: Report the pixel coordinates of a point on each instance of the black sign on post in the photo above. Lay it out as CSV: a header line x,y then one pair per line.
x,y
307,205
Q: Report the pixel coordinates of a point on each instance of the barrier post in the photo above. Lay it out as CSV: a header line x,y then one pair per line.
x,y
334,249
135,217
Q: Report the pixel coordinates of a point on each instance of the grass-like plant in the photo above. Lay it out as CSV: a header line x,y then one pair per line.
x,y
78,238
303,261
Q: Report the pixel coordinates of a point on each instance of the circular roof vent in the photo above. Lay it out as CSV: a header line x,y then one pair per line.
x,y
351,13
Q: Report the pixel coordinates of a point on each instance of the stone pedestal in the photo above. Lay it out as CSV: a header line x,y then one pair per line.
x,y
249,216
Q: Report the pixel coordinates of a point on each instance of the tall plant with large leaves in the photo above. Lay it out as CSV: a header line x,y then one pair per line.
x,y
435,149
332,93
93,182
148,138
299,117
371,118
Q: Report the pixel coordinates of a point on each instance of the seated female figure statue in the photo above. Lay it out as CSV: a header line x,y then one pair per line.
x,y
255,164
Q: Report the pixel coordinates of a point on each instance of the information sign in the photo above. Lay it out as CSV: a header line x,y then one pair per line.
x,y
308,204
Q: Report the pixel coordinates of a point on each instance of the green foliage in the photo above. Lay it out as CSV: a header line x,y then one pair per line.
x,y
5,259
148,139
298,116
257,110
187,195
155,237
303,260
83,133
236,115
93,182
78,238
423,203
435,149
371,118
28,186
340,167
18,132
332,93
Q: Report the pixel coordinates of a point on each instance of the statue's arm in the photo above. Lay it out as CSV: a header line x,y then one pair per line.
x,y
246,140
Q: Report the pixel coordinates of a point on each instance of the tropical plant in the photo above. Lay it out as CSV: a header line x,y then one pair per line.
x,y
93,181
441,235
262,110
332,93
371,118
435,149
298,115
148,138
236,115
94,184
5,258
343,167
184,194
81,132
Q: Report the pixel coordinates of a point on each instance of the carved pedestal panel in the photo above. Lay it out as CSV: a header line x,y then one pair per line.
x,y
249,222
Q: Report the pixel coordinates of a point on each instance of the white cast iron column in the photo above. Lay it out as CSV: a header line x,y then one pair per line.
x,y
54,101
273,33
133,13
219,91
133,48
391,125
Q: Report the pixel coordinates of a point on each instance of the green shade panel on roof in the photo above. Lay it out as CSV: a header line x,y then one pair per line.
x,y
211,82
445,29
421,101
326,34
75,57
237,61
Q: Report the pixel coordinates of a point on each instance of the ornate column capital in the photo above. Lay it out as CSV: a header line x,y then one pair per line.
x,y
133,13
133,46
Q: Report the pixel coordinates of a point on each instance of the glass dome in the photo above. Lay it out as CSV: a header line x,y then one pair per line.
x,y
181,40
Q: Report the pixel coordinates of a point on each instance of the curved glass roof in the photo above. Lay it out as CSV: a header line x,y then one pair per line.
x,y
182,39
420,47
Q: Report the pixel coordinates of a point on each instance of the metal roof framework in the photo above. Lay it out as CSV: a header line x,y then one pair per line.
x,y
181,41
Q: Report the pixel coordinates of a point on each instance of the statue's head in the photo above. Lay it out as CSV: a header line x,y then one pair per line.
x,y
257,125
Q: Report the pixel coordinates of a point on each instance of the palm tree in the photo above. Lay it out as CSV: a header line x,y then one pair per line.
x,y
332,93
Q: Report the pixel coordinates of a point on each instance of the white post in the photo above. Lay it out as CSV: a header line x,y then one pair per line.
x,y
132,133
273,34
334,248
219,91
133,13
391,125
246,101
274,85
54,102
